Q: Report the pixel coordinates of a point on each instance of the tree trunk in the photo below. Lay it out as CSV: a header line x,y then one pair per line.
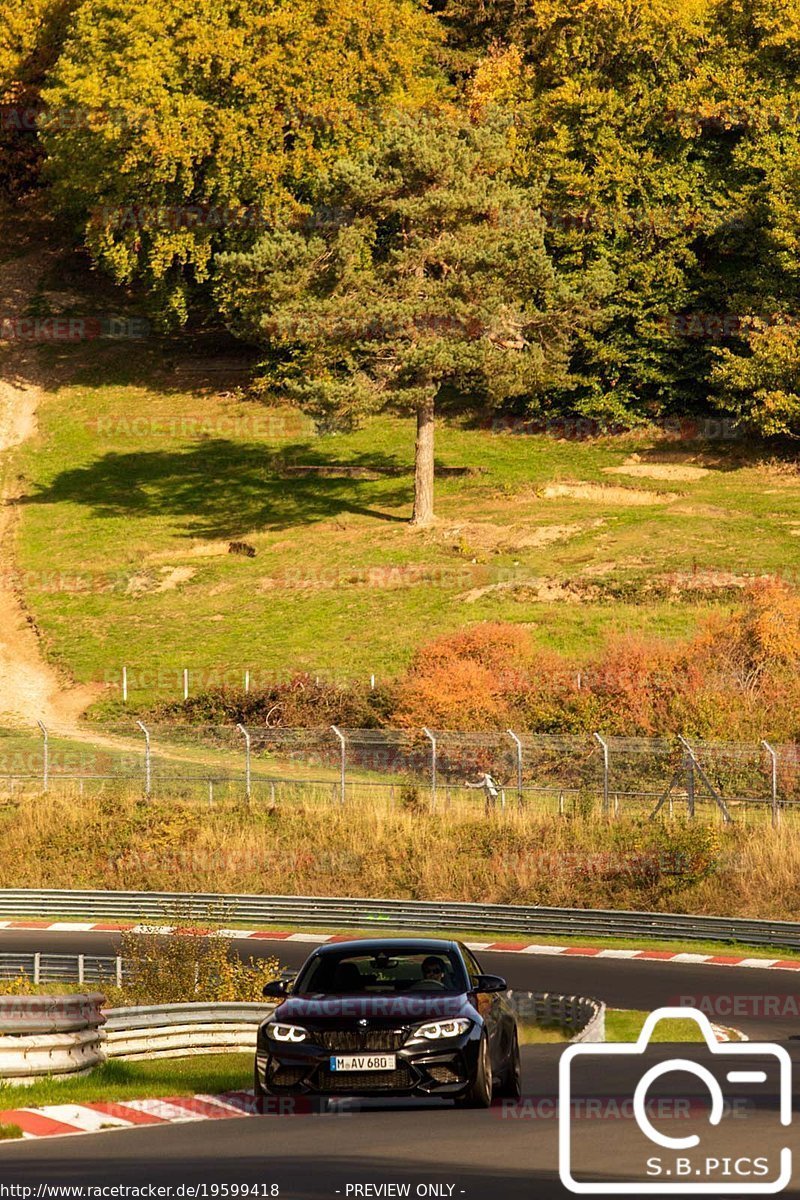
x,y
423,465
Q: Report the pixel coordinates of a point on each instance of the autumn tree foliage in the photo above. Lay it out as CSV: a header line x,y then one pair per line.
x,y
655,146
31,39
202,122
762,386
664,138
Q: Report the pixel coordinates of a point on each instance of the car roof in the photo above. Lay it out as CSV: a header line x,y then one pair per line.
x,y
371,945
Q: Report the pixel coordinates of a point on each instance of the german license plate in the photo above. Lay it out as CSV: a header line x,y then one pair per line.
x,y
363,1062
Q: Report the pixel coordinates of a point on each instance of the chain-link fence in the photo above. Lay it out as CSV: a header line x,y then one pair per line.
x,y
417,769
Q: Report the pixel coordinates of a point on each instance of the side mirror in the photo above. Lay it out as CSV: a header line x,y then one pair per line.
x,y
491,983
276,989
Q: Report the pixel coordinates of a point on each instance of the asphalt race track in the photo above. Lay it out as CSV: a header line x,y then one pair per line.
x,y
506,1153
763,1004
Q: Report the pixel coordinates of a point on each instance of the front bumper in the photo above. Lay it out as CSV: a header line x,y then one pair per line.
x,y
442,1069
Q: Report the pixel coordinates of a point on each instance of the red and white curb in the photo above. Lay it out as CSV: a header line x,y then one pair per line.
x,y
665,956
54,1120
59,1120
725,1033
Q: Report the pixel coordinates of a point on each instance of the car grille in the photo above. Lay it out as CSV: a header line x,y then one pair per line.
x,y
443,1074
285,1076
365,1081
361,1039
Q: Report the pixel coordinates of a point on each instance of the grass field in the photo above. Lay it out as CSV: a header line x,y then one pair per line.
x,y
622,1025
115,841
625,1025
147,466
117,1080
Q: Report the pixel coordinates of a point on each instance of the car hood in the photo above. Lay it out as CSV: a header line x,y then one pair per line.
x,y
341,1010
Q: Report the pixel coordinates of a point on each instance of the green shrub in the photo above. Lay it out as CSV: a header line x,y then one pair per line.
x,y
189,965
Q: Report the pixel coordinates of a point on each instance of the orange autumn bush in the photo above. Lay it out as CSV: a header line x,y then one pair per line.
x,y
472,679
738,678
762,637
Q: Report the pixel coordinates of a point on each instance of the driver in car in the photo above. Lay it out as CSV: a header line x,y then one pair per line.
x,y
433,971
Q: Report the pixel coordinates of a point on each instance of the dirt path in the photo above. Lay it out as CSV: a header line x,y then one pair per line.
x,y
30,690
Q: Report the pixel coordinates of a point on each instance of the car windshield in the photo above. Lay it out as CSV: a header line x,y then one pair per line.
x,y
392,971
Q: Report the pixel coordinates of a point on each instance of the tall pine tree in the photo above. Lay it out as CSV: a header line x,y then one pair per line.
x,y
421,269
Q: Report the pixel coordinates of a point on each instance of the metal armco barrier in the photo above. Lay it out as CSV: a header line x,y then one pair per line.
x,y
344,912
62,968
42,1036
49,1035
50,1014
582,1017
172,1031
178,1030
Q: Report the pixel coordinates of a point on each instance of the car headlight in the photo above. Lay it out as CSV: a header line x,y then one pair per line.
x,y
286,1033
442,1029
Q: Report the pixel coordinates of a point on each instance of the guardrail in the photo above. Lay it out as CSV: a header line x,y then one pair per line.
x,y
62,968
42,1036
49,1035
581,1016
310,912
177,1030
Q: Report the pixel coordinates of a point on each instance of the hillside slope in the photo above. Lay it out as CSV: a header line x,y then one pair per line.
x,y
148,464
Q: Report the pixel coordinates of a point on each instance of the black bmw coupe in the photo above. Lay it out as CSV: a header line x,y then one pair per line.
x,y
395,1017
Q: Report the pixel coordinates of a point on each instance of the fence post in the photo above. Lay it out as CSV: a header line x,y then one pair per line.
x,y
37,968
432,741
246,736
776,815
119,970
343,766
185,683
604,747
45,757
124,685
518,744
689,764
81,969
246,682
147,771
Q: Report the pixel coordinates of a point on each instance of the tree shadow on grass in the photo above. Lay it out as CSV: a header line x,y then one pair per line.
x,y
219,488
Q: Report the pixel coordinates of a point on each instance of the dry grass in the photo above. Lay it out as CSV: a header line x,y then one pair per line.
x,y
370,848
